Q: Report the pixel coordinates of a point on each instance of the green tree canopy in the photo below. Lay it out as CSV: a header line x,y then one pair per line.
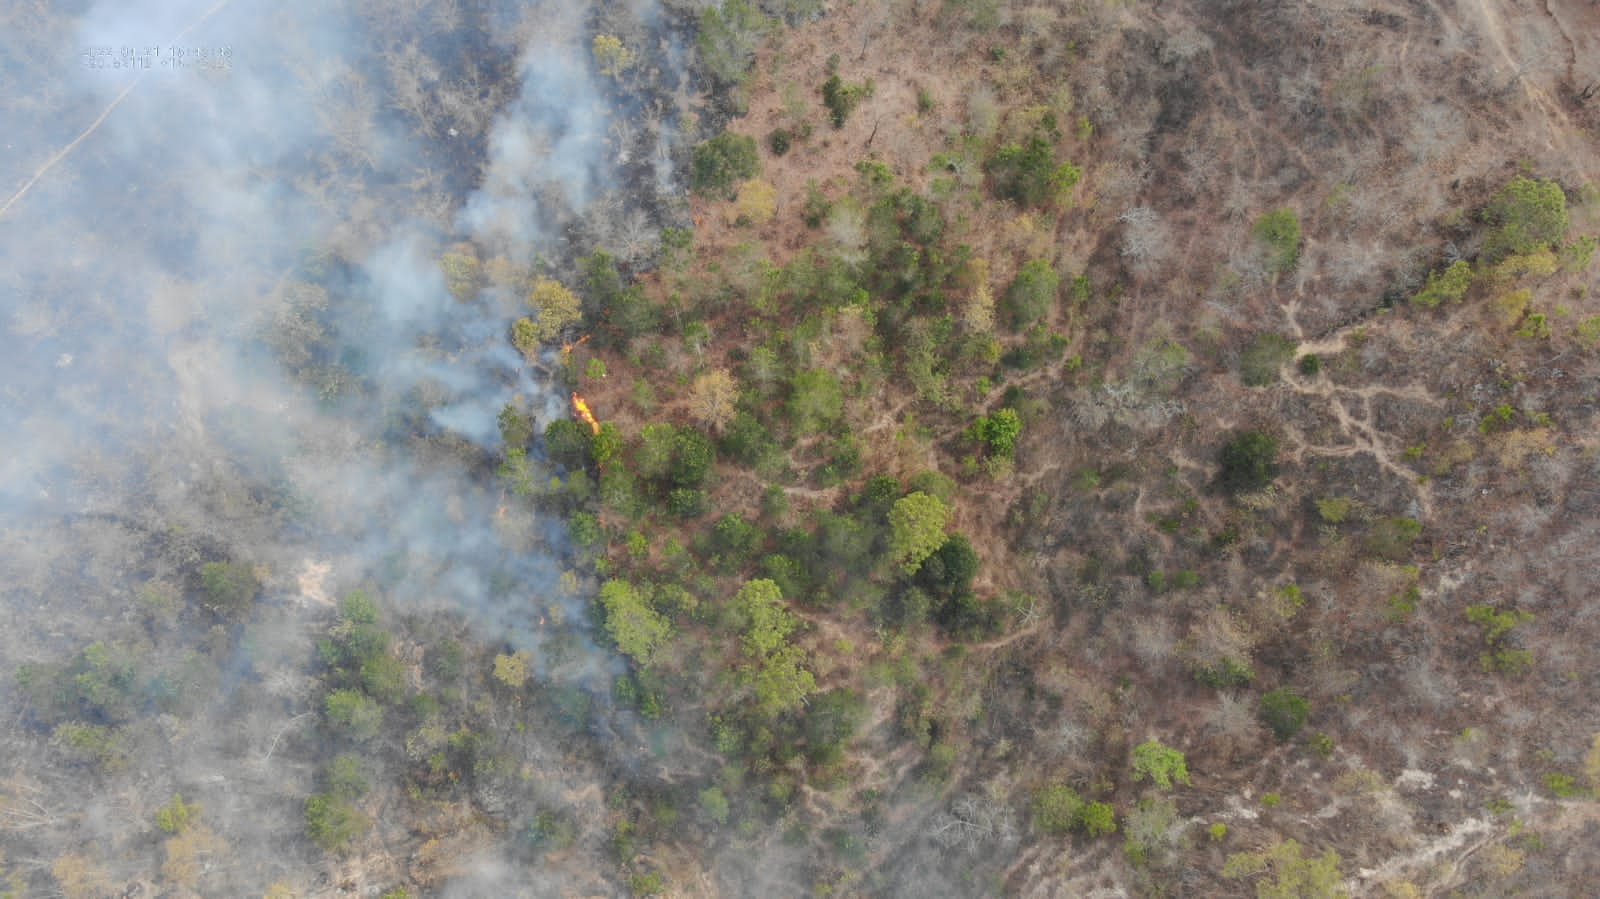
x,y
1291,874
332,822
1000,431
917,525
556,306
1449,285
1159,764
570,443
1055,808
1278,232
1528,215
767,621
1284,712
721,163
692,455
1029,174
1032,294
1248,461
354,713
230,587
816,400
782,682
637,629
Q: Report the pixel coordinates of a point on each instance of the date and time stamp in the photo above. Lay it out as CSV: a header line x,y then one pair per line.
x,y
155,57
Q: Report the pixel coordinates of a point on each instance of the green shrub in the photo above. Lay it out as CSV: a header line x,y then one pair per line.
x,y
1391,538
1335,509
230,587
1562,786
1000,431
176,814
1260,361
1527,215
1449,285
1223,673
1310,365
779,140
1159,764
1248,461
1032,294
842,98
332,822
1029,174
1055,809
1284,712
719,164
1278,232
1496,628
1096,819
686,502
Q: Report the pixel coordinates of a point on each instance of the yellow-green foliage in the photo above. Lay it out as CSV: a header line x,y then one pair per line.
x,y
1509,308
1528,215
637,629
917,527
611,56
557,308
176,814
1290,874
461,274
525,336
511,668
756,203
1535,326
1541,263
1335,509
1449,285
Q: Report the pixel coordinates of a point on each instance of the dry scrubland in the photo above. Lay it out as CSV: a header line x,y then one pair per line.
x,y
1431,459
1066,450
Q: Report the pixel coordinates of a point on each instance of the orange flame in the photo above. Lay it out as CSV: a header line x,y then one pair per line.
x,y
582,408
569,347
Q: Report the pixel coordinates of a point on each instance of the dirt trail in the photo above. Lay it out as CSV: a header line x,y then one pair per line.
x,y
1364,436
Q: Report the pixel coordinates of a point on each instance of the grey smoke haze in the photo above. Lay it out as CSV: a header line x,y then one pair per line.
x,y
145,272
146,265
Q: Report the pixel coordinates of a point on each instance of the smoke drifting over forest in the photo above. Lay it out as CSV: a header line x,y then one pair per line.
x,y
147,268
223,221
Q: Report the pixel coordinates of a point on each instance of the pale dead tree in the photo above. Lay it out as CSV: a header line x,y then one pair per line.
x,y
637,237
412,75
1429,687
1233,718
469,102
1153,641
713,398
971,822
1071,738
1217,637
22,811
623,133
1182,45
1146,239
345,108
1200,161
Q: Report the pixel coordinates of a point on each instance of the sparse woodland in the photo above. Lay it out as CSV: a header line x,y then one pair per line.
x,y
1037,449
